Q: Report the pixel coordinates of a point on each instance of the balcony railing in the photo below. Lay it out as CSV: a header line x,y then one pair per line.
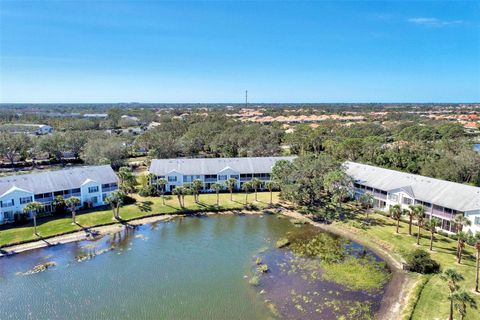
x,y
441,213
109,189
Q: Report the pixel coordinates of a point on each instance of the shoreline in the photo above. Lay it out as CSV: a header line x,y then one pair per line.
x,y
398,289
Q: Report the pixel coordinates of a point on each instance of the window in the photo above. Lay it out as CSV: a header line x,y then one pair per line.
x,y
393,197
172,178
407,200
58,193
104,197
234,176
93,189
25,200
6,204
222,177
94,200
8,215
477,221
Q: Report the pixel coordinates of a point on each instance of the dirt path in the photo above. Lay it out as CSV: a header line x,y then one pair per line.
x,y
400,286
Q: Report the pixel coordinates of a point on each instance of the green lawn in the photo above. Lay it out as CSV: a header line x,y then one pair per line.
x,y
432,302
51,226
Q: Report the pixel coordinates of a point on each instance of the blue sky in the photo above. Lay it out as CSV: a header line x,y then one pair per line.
x,y
281,51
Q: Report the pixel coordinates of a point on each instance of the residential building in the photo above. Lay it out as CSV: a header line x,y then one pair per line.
x,y
441,199
177,172
91,184
29,128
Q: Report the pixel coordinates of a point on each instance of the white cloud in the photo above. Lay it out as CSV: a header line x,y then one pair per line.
x,y
434,22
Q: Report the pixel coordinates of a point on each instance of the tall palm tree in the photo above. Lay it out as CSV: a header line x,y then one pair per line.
x,y
432,225
396,213
270,185
32,209
255,183
460,221
477,246
461,238
115,199
196,186
462,300
231,184
217,187
180,193
246,186
72,203
452,278
411,214
420,216
161,183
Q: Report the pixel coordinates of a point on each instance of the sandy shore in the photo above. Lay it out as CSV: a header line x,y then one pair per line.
x,y
400,286
81,235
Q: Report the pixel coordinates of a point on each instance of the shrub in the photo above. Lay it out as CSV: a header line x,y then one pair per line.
x,y
420,261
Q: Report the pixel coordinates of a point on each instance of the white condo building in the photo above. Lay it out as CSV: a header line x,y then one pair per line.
x,y
91,184
213,170
441,199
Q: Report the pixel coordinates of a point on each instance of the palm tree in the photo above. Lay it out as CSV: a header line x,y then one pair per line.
x,y
161,183
461,238
115,199
72,203
477,246
196,186
462,300
180,192
32,209
246,186
452,277
420,216
127,179
270,185
366,200
411,214
396,213
460,222
231,184
255,183
216,187
59,204
432,225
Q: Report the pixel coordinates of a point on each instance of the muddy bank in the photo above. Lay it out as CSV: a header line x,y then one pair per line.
x,y
398,289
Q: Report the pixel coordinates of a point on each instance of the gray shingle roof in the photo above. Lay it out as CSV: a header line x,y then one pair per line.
x,y
50,181
202,166
440,192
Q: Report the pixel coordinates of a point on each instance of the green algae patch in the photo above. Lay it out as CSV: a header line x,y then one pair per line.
x,y
357,273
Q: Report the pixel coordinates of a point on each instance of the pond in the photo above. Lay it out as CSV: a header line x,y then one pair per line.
x,y
191,268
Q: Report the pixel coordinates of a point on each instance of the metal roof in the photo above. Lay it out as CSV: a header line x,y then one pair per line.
x,y
447,194
51,181
203,166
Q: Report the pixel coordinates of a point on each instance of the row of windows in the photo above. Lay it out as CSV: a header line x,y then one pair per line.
x,y
215,177
109,185
66,192
93,189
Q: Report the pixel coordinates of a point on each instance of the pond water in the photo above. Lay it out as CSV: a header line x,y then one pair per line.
x,y
192,268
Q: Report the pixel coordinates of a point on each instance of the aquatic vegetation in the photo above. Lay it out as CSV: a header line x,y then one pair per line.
x,y
263,268
357,273
282,242
310,242
258,261
38,268
254,280
90,255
